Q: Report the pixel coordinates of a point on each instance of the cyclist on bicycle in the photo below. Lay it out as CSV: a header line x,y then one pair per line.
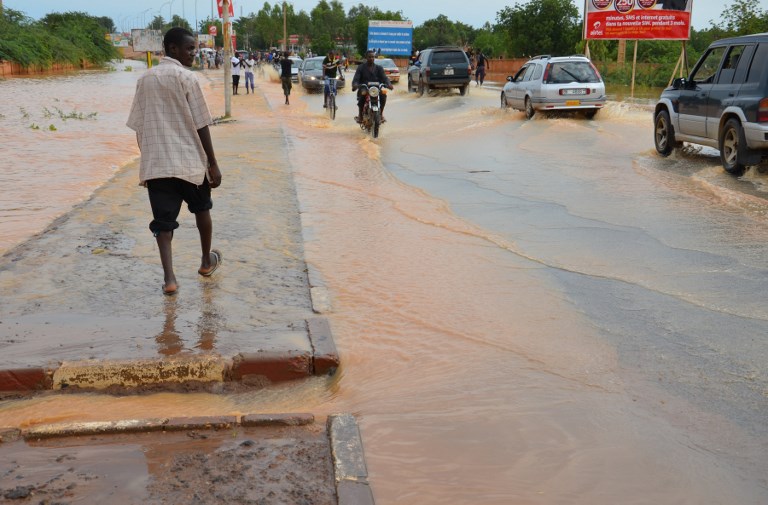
x,y
331,65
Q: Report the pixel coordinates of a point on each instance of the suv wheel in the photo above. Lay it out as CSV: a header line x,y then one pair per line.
x,y
504,100
529,110
663,133
463,89
731,138
411,87
421,87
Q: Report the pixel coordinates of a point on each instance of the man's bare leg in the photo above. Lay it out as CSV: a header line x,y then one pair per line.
x,y
210,259
164,239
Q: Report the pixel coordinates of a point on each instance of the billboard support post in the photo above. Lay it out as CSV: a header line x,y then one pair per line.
x,y
634,68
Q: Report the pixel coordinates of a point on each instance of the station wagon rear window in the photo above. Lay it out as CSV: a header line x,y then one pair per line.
x,y
445,57
563,72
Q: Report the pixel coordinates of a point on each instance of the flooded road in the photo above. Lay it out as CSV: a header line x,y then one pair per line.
x,y
527,311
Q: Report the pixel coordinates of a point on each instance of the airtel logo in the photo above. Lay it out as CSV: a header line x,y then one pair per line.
x,y
596,26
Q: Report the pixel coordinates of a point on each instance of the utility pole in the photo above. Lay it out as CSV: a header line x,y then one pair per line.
x,y
227,58
285,31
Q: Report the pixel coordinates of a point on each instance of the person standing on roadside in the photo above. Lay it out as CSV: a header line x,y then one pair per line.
x,y
250,65
178,164
237,72
285,76
482,65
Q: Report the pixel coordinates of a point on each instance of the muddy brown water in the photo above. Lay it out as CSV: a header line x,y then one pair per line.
x,y
527,312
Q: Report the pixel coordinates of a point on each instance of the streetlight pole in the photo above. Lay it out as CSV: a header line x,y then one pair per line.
x,y
143,18
227,60
170,16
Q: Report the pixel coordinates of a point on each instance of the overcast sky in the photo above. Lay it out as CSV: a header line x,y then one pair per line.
x,y
137,13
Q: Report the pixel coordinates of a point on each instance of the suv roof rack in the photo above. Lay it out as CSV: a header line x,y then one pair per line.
x,y
541,56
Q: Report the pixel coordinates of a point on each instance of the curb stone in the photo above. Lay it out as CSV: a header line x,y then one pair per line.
x,y
352,487
255,368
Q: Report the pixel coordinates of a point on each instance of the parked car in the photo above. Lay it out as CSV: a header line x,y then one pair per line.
x,y
723,104
311,75
390,68
440,67
555,83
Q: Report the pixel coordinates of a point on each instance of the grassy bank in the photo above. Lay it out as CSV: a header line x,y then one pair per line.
x,y
71,38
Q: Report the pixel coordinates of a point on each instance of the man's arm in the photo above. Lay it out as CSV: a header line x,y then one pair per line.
x,y
213,167
356,78
383,77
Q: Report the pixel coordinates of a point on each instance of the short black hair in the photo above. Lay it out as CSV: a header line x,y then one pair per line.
x,y
176,36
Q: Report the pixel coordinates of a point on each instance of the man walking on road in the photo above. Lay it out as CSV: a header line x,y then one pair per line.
x,y
171,118
482,64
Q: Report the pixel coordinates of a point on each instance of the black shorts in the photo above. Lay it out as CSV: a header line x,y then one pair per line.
x,y
166,196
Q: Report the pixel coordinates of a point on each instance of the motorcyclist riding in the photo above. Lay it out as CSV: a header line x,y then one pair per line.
x,y
365,73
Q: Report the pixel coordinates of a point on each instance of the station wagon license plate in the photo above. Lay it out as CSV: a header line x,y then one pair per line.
x,y
575,91
570,103
448,71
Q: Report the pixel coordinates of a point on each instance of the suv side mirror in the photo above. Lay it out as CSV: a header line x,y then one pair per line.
x,y
510,78
679,83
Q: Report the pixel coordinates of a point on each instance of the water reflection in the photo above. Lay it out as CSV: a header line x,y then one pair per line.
x,y
171,341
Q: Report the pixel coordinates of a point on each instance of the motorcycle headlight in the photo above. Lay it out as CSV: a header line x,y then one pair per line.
x,y
374,92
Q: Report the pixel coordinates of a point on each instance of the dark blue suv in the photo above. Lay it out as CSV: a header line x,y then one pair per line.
x,y
722,104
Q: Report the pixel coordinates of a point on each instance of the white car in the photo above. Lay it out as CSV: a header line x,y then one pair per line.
x,y
295,64
555,83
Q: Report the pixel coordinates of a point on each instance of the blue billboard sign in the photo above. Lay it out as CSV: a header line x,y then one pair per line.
x,y
393,38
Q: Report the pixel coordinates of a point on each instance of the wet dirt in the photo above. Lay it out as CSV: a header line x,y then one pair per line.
x,y
258,466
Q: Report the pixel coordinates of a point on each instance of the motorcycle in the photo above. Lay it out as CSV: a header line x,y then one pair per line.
x,y
371,118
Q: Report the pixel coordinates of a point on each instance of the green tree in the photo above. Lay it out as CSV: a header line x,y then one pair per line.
x,y
72,37
744,17
439,31
328,19
541,26
158,23
489,41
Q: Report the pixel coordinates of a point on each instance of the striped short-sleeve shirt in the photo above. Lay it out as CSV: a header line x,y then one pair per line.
x,y
168,109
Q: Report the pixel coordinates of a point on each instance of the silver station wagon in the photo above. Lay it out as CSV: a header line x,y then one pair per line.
x,y
555,83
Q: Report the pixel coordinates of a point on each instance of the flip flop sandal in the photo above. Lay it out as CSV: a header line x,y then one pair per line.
x,y
217,255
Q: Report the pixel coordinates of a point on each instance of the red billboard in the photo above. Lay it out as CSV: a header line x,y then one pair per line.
x,y
637,19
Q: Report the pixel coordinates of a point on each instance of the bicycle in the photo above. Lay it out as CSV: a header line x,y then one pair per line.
x,y
330,100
